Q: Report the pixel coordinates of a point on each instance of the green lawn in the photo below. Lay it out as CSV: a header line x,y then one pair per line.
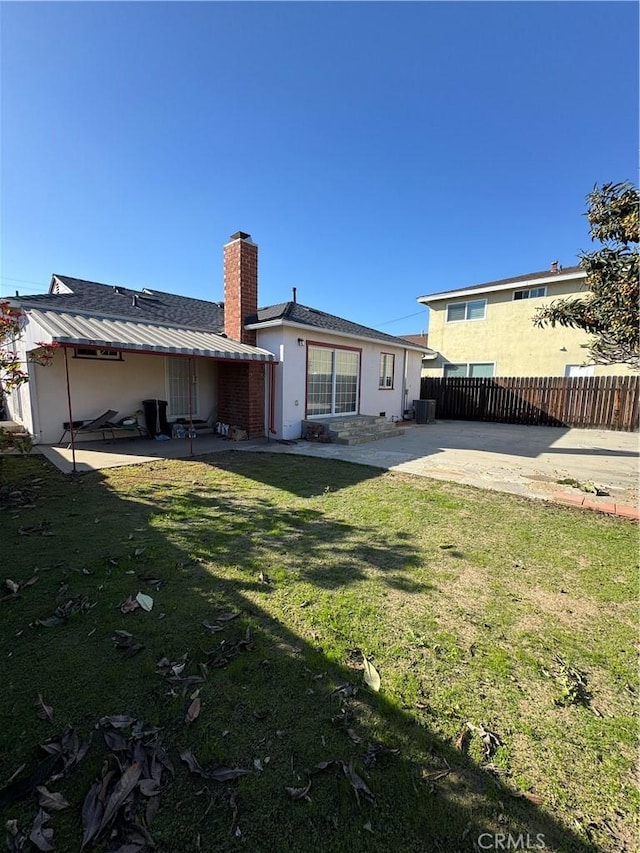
x,y
516,617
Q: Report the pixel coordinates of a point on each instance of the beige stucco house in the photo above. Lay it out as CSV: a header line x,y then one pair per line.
x,y
486,330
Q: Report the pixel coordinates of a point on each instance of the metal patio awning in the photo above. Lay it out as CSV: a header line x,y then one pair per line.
x,y
85,331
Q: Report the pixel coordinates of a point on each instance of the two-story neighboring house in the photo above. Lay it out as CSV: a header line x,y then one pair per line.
x,y
487,329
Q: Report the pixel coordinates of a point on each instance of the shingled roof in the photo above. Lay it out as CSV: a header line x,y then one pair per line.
x,y
301,315
104,300
91,298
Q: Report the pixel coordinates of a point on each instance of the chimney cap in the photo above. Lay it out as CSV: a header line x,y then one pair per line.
x,y
240,235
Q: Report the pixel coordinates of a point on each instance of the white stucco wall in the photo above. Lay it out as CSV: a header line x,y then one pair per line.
x,y
290,383
98,385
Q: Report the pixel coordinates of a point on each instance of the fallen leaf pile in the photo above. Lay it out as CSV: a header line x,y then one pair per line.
x,y
19,497
125,799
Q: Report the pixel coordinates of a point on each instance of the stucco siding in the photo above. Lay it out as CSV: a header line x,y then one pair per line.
x,y
507,337
290,385
97,385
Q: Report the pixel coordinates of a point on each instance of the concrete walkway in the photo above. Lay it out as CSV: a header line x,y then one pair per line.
x,y
522,460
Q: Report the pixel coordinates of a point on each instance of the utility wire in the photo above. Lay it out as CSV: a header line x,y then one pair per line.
x,y
397,320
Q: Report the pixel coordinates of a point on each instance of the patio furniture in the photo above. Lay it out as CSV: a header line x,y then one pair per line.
x,y
103,424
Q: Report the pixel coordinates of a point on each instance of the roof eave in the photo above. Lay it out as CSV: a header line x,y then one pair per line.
x,y
493,288
268,324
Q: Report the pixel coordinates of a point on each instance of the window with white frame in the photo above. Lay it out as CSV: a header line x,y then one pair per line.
x,y
387,364
530,293
572,370
470,370
475,309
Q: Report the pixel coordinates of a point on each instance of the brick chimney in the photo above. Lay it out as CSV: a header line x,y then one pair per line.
x,y
240,286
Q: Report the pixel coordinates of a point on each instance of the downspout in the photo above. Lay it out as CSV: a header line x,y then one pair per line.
x,y
405,368
272,397
71,428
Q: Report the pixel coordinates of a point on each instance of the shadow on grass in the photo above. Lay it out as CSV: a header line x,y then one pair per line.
x,y
207,540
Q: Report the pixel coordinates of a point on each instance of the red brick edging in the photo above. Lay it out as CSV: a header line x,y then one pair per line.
x,y
584,501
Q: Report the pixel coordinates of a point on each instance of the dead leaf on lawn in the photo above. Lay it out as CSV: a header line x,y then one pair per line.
x,y
145,601
375,750
300,793
126,784
462,742
192,762
193,710
12,586
149,787
218,774
45,712
40,836
211,627
51,800
357,783
117,721
226,774
16,839
490,741
138,551
344,691
528,795
371,676
129,605
227,617
92,811
115,741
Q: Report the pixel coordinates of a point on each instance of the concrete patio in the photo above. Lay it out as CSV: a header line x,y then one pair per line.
x,y
521,460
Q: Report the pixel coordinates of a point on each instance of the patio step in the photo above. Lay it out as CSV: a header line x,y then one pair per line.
x,y
349,430
364,437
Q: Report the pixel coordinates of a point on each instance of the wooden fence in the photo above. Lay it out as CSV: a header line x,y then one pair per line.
x,y
606,402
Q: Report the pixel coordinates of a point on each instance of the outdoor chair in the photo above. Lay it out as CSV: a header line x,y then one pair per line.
x,y
104,424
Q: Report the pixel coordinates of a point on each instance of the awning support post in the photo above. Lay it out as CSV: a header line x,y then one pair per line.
x,y
190,410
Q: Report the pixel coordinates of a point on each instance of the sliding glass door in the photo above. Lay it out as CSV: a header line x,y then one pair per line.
x,y
332,381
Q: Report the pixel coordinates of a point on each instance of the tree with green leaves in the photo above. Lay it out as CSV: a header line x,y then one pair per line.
x,y
609,310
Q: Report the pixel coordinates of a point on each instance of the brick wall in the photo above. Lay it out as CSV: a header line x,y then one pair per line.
x,y
241,396
240,286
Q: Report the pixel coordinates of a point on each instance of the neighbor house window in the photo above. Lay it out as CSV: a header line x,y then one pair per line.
x,y
572,370
470,370
474,310
93,352
387,364
531,293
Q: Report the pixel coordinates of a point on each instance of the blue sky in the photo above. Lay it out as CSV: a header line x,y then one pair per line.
x,y
375,151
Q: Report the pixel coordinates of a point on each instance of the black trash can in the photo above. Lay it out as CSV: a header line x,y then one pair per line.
x,y
155,417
